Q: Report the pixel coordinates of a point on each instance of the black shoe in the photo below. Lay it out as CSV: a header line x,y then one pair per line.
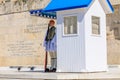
x,y
47,70
54,70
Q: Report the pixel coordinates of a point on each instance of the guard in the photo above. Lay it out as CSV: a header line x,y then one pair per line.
x,y
50,46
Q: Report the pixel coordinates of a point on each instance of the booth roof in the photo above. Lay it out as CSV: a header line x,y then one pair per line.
x,y
57,5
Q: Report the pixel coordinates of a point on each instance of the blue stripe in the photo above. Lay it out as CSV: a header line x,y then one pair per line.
x,y
44,14
112,9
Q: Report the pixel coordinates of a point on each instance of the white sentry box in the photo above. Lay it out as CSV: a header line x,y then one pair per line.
x,y
81,34
84,50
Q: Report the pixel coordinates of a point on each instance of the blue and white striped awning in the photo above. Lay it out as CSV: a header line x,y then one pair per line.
x,y
41,13
58,5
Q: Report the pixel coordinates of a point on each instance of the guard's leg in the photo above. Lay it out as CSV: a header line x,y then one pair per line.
x,y
55,62
52,60
53,56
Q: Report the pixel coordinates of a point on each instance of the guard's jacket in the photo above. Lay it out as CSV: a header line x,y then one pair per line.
x,y
50,33
50,39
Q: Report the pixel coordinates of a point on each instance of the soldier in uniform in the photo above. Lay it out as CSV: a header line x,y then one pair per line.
x,y
50,45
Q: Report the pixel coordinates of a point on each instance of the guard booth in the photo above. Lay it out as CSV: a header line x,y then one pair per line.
x,y
81,34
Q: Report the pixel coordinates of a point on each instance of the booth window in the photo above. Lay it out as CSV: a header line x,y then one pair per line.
x,y
95,25
70,25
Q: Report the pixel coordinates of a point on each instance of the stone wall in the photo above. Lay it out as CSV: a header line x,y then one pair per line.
x,y
115,2
21,39
21,35
12,6
113,36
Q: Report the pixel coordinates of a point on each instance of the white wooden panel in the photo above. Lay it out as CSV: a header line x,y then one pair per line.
x,y
83,52
70,49
96,54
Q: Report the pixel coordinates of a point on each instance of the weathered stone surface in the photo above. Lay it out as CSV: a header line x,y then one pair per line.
x,y
11,6
21,39
113,36
21,35
115,2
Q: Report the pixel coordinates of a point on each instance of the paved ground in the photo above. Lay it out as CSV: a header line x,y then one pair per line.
x,y
112,74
